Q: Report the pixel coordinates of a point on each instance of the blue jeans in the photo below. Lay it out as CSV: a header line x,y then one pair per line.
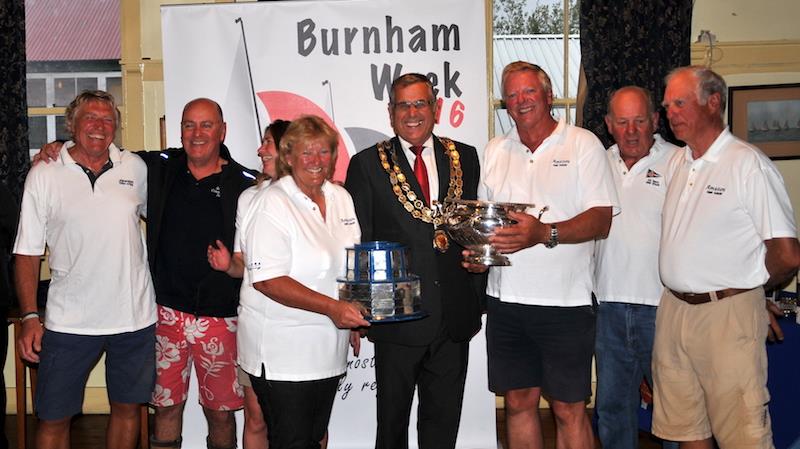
x,y
623,350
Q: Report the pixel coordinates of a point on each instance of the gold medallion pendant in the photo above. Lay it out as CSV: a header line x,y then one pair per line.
x,y
440,240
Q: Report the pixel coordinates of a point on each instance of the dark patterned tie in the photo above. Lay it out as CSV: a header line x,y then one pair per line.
x,y
421,172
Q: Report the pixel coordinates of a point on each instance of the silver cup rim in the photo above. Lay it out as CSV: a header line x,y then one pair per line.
x,y
482,203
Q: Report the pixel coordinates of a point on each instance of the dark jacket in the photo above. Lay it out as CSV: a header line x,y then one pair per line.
x,y
448,292
218,294
9,214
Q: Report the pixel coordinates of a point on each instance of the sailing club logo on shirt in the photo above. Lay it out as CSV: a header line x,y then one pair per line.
x,y
714,190
560,162
215,191
252,266
348,221
126,182
652,178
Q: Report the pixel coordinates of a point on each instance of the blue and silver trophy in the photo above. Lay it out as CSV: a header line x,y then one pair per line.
x,y
377,279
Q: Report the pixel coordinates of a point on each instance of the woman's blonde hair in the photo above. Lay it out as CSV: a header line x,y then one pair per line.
x,y
304,129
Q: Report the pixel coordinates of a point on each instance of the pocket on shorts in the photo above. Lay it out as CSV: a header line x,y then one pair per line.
x,y
756,421
746,321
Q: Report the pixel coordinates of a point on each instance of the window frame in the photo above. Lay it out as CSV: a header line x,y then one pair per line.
x,y
52,111
569,99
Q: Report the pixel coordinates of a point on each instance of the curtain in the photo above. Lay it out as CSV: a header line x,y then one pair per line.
x,y
14,161
630,42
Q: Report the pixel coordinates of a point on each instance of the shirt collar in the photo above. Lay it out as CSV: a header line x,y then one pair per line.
x,y
656,151
114,153
290,186
715,150
558,135
406,146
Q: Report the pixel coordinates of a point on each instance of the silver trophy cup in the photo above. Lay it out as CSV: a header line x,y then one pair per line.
x,y
472,222
376,278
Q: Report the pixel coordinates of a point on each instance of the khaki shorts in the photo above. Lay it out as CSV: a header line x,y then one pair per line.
x,y
710,371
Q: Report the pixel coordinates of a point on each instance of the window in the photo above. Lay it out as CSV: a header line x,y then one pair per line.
x,y
63,62
535,31
49,93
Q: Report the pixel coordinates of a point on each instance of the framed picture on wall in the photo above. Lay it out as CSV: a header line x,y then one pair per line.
x,y
768,116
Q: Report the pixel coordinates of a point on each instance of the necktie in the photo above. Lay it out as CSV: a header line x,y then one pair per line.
x,y
421,172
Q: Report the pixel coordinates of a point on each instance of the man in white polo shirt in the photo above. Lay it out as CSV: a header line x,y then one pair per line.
x,y
85,208
541,322
627,285
728,230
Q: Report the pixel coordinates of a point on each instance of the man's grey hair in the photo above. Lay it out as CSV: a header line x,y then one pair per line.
x,y
408,79
708,83
85,97
648,97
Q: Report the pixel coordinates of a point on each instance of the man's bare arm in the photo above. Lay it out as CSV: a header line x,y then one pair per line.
x,y
26,276
591,224
783,260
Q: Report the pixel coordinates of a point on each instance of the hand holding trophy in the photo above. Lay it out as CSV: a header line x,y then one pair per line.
x,y
472,222
377,279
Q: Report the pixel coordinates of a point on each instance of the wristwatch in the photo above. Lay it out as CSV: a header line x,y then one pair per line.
x,y
553,242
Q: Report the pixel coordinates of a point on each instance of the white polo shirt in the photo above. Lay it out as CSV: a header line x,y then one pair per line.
x,y
627,260
242,206
100,280
718,211
569,174
285,235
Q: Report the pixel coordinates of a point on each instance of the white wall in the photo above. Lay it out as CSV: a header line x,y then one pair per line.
x,y
747,20
737,21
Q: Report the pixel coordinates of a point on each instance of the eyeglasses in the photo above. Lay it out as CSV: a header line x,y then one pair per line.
x,y
405,106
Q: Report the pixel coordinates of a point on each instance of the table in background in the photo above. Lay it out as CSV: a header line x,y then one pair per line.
x,y
783,384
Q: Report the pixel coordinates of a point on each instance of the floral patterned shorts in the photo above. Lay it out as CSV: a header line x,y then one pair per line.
x,y
209,343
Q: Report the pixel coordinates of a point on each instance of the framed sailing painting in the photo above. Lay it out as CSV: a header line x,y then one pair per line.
x,y
768,116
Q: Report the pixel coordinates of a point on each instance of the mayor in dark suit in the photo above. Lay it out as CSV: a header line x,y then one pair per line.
x,y
392,184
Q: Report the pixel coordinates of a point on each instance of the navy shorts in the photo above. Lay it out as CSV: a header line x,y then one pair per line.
x,y
67,359
540,346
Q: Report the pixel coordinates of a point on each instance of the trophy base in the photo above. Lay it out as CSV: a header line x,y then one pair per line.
x,y
397,318
384,302
486,255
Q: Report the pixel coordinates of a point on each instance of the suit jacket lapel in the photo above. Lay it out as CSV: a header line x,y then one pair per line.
x,y
442,168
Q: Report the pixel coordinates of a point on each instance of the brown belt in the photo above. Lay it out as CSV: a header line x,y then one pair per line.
x,y
702,298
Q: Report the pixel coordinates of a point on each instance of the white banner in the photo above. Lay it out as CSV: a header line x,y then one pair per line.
x,y
335,59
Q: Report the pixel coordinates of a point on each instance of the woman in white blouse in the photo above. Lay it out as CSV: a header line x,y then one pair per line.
x,y
220,258
293,333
